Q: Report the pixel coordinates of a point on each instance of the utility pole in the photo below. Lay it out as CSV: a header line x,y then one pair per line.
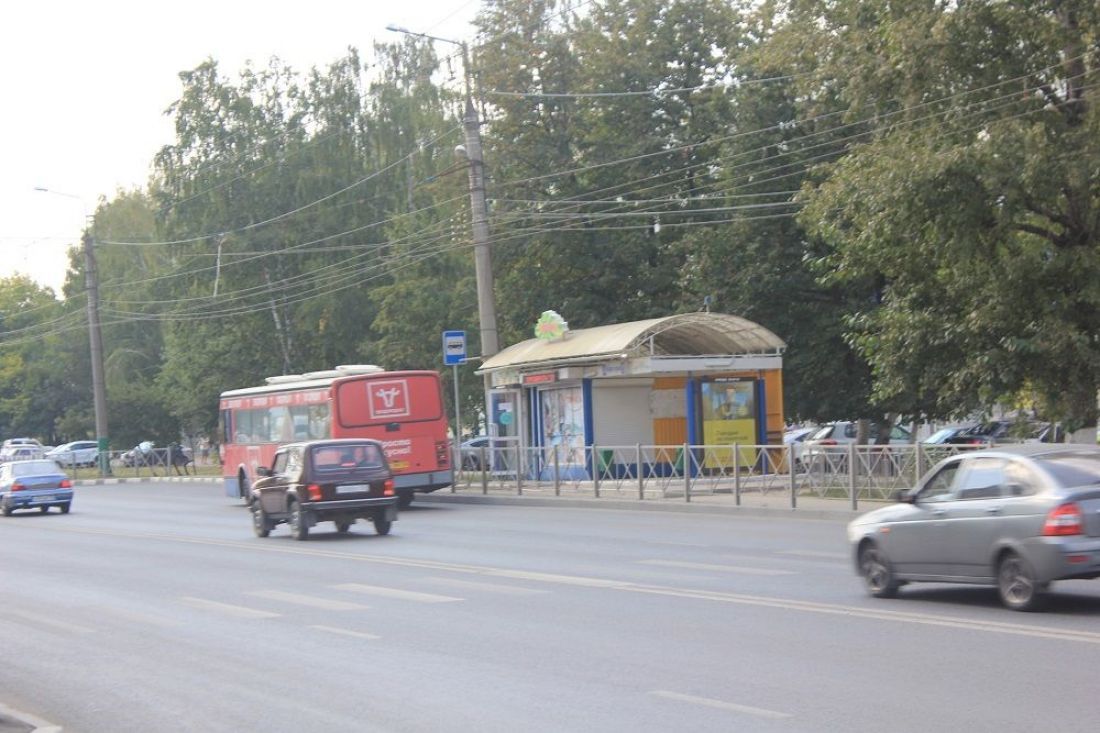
x,y
95,336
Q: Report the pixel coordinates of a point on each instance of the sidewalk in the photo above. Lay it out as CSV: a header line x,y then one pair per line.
x,y
752,503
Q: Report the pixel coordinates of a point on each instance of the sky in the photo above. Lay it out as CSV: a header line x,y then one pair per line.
x,y
86,85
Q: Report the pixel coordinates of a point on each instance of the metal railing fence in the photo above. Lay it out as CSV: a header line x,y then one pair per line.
x,y
680,472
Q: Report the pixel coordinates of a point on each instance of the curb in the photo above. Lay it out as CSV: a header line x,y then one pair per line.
x,y
443,497
641,506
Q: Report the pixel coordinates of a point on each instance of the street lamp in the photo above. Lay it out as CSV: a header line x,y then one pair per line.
x,y
479,212
95,336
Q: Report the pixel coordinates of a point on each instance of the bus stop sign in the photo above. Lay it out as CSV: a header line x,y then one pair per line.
x,y
454,347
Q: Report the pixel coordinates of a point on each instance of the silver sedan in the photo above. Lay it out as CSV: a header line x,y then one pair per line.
x,y
1017,517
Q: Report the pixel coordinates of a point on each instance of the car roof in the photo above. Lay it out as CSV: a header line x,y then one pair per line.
x,y
1035,450
333,442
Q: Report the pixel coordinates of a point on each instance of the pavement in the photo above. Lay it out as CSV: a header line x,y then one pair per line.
x,y
749,503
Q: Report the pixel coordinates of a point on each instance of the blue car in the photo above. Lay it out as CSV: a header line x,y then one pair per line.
x,y
38,484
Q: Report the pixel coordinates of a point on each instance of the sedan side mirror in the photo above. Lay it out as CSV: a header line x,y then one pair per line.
x,y
263,471
905,496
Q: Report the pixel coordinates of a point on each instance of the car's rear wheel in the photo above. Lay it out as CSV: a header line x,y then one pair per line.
x,y
382,526
65,507
261,525
43,509
877,573
299,525
1017,585
6,509
343,527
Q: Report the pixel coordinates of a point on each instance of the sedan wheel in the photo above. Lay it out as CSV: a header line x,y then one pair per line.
x,y
343,527
877,574
6,510
1016,584
382,526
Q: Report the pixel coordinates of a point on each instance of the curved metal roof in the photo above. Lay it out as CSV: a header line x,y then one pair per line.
x,y
694,334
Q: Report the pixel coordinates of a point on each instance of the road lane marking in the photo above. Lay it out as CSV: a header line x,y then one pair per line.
x,y
816,553
722,568
346,632
138,616
34,618
1035,631
405,595
721,704
513,590
226,608
299,599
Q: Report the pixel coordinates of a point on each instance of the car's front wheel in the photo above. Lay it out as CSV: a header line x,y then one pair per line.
x,y
1017,585
299,525
877,573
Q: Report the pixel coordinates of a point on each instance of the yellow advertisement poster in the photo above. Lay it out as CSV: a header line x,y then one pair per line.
x,y
729,416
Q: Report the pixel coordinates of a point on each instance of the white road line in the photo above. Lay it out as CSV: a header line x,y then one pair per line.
x,y
35,618
346,632
720,568
327,604
138,616
816,553
508,590
405,595
721,705
226,608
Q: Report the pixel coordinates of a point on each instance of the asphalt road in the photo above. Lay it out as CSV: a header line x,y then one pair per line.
x,y
151,607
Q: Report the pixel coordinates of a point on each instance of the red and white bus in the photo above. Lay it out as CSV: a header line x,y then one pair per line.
x,y
403,409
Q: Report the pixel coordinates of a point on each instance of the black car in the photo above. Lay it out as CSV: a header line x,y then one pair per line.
x,y
337,481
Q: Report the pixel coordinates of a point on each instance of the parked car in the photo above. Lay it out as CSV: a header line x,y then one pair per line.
x,y
828,447
958,435
337,481
1017,517
38,484
76,453
796,438
471,451
23,447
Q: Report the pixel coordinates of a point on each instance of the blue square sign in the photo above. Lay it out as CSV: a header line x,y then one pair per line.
x,y
454,347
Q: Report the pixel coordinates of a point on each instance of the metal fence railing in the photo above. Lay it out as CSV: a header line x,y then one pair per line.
x,y
681,472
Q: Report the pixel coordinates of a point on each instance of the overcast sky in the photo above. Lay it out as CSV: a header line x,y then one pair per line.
x,y
86,84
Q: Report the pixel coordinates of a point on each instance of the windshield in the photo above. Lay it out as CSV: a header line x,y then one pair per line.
x,y
337,458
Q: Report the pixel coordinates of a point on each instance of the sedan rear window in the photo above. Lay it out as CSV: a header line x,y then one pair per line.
x,y
34,468
1073,469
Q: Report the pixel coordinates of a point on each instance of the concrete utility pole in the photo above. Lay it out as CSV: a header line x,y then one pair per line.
x,y
95,336
479,221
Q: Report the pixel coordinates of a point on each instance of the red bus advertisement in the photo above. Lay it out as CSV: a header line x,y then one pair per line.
x,y
402,409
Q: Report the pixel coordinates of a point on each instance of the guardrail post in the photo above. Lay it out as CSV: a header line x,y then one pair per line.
x,y
921,458
519,470
557,471
687,472
639,470
484,470
852,475
596,470
736,475
790,475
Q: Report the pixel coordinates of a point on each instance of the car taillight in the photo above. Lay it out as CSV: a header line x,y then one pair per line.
x,y
17,486
314,492
442,453
65,484
387,487
1063,520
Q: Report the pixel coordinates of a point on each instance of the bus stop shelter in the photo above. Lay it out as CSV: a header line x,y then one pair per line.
x,y
693,378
